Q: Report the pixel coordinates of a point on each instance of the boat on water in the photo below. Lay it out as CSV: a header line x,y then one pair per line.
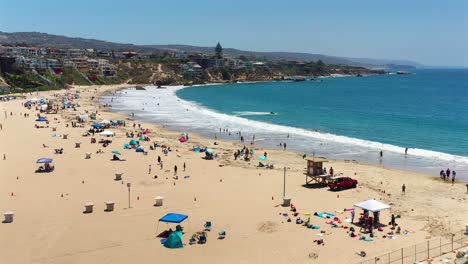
x,y
403,72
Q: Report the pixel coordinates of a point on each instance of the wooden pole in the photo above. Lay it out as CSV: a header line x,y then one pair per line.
x,y
402,257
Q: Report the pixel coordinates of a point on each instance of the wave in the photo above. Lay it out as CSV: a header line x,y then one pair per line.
x,y
177,111
249,113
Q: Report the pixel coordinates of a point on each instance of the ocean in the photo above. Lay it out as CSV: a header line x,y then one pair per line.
x,y
346,118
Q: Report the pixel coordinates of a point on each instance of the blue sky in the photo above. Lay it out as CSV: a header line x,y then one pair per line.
x,y
432,32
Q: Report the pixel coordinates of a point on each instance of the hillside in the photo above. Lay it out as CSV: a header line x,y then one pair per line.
x,y
44,39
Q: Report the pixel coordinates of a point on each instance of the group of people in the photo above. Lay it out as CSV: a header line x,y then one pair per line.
x,y
445,175
244,152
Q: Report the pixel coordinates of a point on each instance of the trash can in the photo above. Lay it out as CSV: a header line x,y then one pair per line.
x,y
88,208
286,201
118,176
110,206
158,201
8,217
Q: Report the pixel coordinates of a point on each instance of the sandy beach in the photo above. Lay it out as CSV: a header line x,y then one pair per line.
x,y
50,227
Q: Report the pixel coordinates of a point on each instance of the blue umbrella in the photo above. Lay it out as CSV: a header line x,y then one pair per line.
x,y
42,119
262,158
44,160
97,126
133,142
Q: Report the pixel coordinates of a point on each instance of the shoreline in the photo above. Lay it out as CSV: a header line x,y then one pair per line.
x,y
421,161
235,195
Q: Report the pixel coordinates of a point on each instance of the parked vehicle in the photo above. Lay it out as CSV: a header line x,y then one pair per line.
x,y
342,183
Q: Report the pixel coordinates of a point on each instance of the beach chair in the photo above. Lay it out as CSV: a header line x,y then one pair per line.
x,y
207,226
222,234
202,239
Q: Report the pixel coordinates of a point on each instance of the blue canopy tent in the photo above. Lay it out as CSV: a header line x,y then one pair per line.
x,y
41,119
97,126
172,218
47,165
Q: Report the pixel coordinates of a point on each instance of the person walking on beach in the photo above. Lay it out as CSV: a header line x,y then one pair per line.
x,y
441,173
381,154
448,173
454,173
184,166
161,164
149,169
352,216
175,169
159,159
284,146
406,151
403,188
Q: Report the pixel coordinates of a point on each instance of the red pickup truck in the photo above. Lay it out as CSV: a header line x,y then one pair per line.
x,y
342,183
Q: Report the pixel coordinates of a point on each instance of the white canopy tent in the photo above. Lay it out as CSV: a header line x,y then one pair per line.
x,y
105,121
107,133
372,205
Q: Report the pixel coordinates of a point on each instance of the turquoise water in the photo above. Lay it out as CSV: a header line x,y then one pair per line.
x,y
346,118
427,110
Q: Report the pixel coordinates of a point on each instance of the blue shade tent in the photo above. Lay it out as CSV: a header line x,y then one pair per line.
x,y
173,218
44,160
41,119
133,142
97,126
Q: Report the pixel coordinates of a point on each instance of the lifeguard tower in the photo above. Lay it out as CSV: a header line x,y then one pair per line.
x,y
315,173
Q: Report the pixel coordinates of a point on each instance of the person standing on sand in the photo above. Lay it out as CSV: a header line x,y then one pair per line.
x,y
381,154
284,146
161,164
149,169
406,151
159,159
403,188
175,169
184,166
352,216
448,173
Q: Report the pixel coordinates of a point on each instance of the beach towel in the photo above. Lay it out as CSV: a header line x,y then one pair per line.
x,y
325,215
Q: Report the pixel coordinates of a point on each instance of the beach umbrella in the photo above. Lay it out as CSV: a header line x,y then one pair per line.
x,y
262,158
147,131
42,119
120,121
182,139
44,160
133,142
97,126
116,152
